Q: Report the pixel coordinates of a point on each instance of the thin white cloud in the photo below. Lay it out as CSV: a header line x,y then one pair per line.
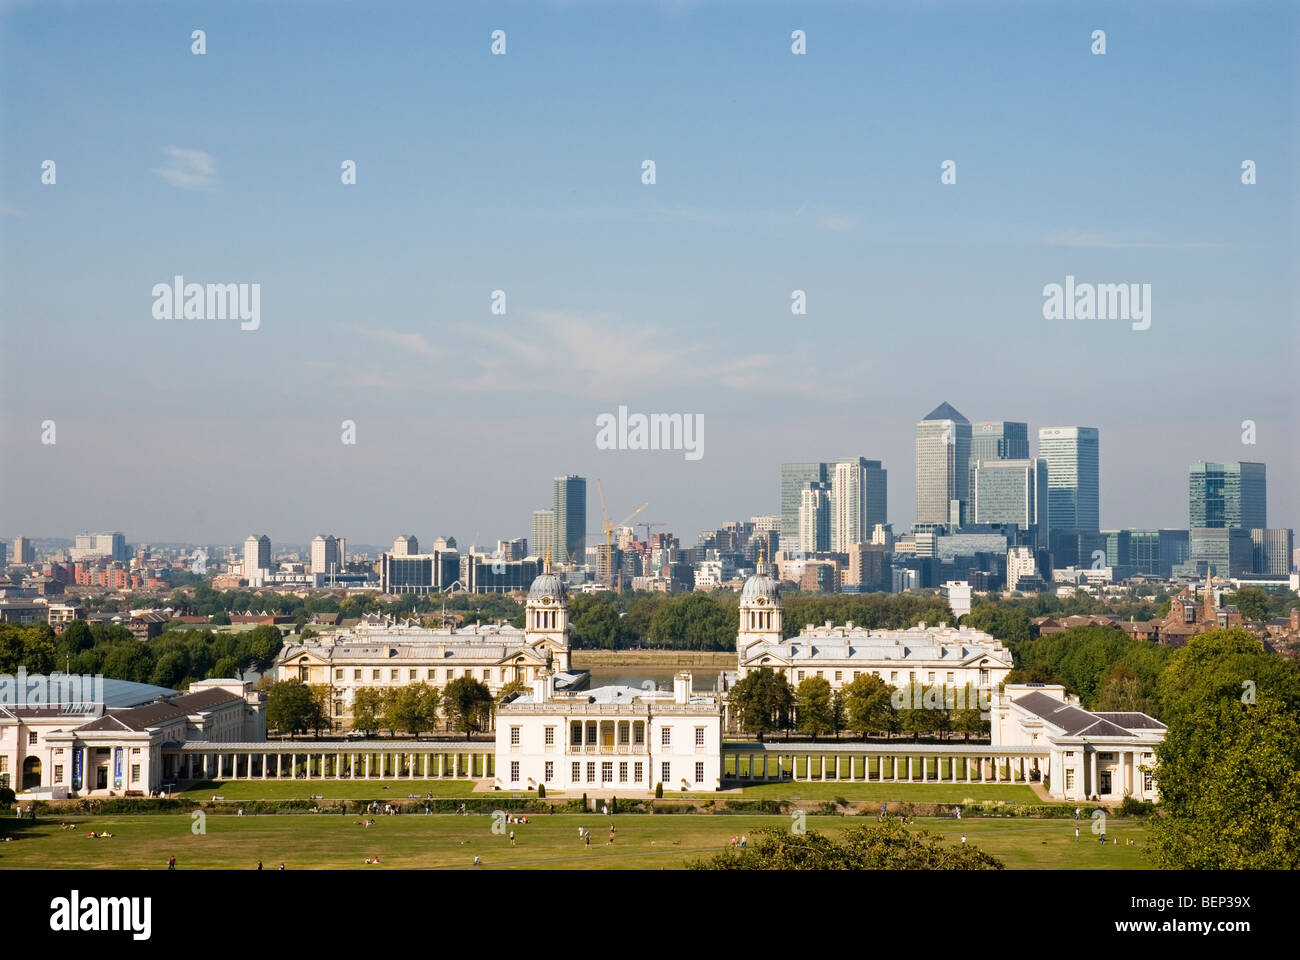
x,y
410,342
839,222
189,169
1091,239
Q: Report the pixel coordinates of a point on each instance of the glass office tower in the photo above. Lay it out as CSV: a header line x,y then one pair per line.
x,y
570,505
997,440
1013,491
795,478
1073,476
1227,495
943,442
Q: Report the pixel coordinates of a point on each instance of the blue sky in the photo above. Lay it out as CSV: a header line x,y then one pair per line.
x,y
522,172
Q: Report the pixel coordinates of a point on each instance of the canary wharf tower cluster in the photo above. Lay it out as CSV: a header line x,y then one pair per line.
x,y
994,512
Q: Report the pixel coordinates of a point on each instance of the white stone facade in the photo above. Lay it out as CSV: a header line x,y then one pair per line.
x,y
614,739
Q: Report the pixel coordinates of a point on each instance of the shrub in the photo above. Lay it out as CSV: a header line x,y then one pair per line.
x,y
1133,807
659,790
541,791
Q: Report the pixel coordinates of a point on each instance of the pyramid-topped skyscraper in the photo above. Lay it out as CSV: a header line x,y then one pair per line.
x,y
942,466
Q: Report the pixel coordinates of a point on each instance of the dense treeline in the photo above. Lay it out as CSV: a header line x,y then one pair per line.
x,y
764,701
174,659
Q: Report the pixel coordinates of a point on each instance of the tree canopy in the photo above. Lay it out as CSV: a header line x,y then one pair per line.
x,y
874,846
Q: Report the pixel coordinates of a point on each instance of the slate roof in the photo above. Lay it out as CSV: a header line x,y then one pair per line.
x,y
1131,721
151,715
1075,721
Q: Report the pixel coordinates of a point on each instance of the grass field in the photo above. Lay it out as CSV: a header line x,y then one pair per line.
x,y
549,841
805,790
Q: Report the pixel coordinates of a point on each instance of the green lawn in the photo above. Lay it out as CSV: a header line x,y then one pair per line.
x,y
549,841
360,789
813,791
823,790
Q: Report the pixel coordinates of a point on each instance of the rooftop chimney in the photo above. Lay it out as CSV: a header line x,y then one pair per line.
x,y
682,688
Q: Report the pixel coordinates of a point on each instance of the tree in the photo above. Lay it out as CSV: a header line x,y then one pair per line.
x,y
969,717
1229,776
1009,624
761,702
1122,691
512,688
260,646
75,638
220,619
468,705
290,707
33,648
171,669
367,705
913,717
595,621
694,621
813,708
128,660
867,705
412,708
876,846
1223,665
321,703
1252,602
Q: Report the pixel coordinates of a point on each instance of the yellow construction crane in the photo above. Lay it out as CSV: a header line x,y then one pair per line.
x,y
609,530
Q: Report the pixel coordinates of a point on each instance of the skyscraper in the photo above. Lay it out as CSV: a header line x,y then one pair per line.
x,y
1271,556
1227,495
1073,477
1013,491
997,440
544,533
257,559
570,507
795,478
327,555
24,552
943,441
814,519
858,501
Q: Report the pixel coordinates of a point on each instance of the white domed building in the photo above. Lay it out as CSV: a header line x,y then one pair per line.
x,y
924,654
760,610
386,652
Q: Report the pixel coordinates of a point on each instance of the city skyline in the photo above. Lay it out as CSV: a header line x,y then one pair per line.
x,y
529,529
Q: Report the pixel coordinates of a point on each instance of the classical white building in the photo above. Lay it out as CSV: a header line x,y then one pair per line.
x,y
113,745
1107,755
925,655
393,654
620,739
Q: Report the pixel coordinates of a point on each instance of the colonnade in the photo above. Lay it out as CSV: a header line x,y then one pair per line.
x,y
329,761
812,762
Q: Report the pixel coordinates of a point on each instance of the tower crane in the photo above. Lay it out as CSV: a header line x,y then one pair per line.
x,y
609,529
